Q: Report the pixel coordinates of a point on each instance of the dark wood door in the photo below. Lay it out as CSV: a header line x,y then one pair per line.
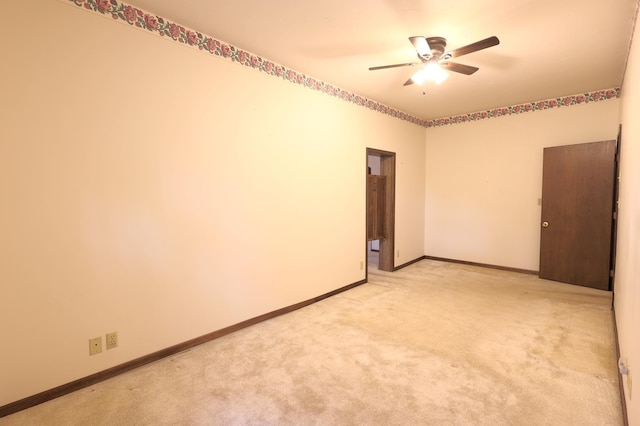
x,y
375,207
577,213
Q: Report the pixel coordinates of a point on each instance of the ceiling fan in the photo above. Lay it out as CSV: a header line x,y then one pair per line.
x,y
431,52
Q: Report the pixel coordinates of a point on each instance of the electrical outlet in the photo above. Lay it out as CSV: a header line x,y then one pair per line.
x,y
112,340
397,253
361,265
625,370
95,345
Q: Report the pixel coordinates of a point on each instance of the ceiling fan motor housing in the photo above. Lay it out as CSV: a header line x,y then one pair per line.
x,y
437,45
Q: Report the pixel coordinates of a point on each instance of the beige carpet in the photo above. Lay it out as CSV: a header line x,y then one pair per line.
x,y
432,344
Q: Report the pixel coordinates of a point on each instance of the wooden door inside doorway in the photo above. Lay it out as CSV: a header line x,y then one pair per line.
x,y
376,191
387,244
577,213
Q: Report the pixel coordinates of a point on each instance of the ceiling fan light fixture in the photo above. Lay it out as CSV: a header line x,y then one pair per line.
x,y
431,72
419,77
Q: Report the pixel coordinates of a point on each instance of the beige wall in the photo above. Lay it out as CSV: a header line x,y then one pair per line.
x,y
165,193
627,282
484,179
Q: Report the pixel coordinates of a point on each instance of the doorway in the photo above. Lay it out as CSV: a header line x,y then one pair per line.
x,y
381,206
578,184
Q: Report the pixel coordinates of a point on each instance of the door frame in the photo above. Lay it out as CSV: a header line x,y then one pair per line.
x,y
614,225
387,245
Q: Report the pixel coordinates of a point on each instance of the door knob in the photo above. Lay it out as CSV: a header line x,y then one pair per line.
x,y
545,224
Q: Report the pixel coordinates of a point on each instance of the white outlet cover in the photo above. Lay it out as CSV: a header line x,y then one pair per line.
x,y
112,340
95,345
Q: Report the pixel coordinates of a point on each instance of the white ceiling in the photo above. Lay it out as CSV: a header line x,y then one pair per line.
x,y
548,48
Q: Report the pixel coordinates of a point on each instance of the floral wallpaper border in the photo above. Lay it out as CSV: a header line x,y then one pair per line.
x,y
131,15
599,95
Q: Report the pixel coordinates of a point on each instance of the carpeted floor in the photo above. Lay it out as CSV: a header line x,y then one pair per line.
x,y
432,344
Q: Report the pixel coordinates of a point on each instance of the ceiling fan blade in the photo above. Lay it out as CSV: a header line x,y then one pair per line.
x,y
421,44
382,67
462,69
473,47
408,82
